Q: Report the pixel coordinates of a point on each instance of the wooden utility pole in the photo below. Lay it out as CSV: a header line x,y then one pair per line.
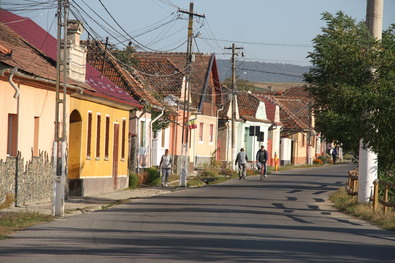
x,y
60,141
187,97
233,102
367,158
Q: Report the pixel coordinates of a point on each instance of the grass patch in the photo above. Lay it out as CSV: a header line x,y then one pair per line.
x,y
195,183
15,221
349,204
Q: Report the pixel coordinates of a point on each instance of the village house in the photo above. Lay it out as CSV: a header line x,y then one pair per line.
x,y
300,144
166,73
98,113
141,120
253,128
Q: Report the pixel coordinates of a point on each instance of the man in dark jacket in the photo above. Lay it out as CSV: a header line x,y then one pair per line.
x,y
261,158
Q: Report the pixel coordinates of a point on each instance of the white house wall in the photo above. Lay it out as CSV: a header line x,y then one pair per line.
x,y
159,145
285,151
252,145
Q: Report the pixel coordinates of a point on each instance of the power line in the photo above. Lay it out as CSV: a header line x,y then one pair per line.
x,y
259,43
270,72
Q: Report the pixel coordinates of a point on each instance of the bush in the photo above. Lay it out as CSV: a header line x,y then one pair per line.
x,y
154,176
133,181
318,161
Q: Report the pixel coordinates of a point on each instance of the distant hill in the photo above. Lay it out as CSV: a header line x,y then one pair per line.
x,y
262,72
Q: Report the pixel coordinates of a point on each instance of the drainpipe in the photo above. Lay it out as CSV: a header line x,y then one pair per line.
x,y
152,121
216,137
12,73
193,142
138,140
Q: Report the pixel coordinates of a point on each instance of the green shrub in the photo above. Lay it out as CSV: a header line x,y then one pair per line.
x,y
133,180
154,176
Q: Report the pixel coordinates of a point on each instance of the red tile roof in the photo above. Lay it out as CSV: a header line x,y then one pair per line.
x,y
248,106
166,71
29,60
112,69
42,40
270,109
294,111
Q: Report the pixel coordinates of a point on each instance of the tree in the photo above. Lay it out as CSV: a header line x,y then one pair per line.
x,y
125,56
351,100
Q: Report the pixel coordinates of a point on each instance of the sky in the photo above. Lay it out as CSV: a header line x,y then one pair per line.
x,y
273,31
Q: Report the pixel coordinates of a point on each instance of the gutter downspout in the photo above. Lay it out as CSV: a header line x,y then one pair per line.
x,y
216,137
12,73
138,140
152,139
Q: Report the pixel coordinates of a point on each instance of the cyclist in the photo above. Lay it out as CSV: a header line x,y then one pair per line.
x,y
261,158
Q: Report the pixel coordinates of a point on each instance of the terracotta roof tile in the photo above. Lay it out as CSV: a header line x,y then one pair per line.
x,y
294,111
165,72
117,74
28,59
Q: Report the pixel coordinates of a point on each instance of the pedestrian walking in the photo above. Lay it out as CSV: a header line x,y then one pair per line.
x,y
261,158
165,165
241,160
334,154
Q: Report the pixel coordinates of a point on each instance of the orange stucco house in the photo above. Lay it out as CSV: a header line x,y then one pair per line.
x,y
97,109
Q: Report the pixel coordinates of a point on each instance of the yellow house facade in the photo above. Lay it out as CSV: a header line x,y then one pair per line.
x,y
98,147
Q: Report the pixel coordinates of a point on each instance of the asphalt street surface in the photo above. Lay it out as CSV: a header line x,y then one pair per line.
x,y
285,218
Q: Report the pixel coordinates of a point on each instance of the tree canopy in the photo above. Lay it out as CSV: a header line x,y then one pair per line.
x,y
352,82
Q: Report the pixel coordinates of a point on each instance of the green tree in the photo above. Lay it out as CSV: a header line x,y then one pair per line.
x,y
126,56
352,101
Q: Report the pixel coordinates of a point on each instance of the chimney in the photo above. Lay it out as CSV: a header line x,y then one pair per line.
x,y
75,52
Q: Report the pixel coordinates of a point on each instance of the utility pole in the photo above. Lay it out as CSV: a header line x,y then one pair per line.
x,y
367,158
60,138
233,102
187,97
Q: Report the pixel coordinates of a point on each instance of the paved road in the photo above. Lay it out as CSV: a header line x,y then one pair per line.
x,y
283,219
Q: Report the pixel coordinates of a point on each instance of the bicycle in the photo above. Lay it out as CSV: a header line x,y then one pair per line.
x,y
262,171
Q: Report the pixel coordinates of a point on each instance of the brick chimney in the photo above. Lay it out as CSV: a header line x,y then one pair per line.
x,y
75,52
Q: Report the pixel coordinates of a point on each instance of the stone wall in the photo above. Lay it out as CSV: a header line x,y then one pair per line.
x,y
29,182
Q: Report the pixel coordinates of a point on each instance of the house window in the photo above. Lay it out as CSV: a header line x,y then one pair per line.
x,y
123,139
303,140
211,132
89,139
163,138
201,126
12,135
35,138
106,143
142,133
98,125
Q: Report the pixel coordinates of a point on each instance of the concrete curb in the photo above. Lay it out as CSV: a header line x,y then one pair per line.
x,y
79,205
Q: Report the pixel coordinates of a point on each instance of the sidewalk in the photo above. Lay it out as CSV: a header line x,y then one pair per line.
x,y
77,204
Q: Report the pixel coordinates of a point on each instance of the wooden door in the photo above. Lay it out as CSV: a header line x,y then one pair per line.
x,y
115,155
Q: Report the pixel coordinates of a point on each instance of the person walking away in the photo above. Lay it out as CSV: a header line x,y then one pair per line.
x,y
242,159
261,158
334,154
165,165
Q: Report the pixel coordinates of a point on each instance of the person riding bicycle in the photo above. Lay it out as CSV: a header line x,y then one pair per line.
x,y
261,158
